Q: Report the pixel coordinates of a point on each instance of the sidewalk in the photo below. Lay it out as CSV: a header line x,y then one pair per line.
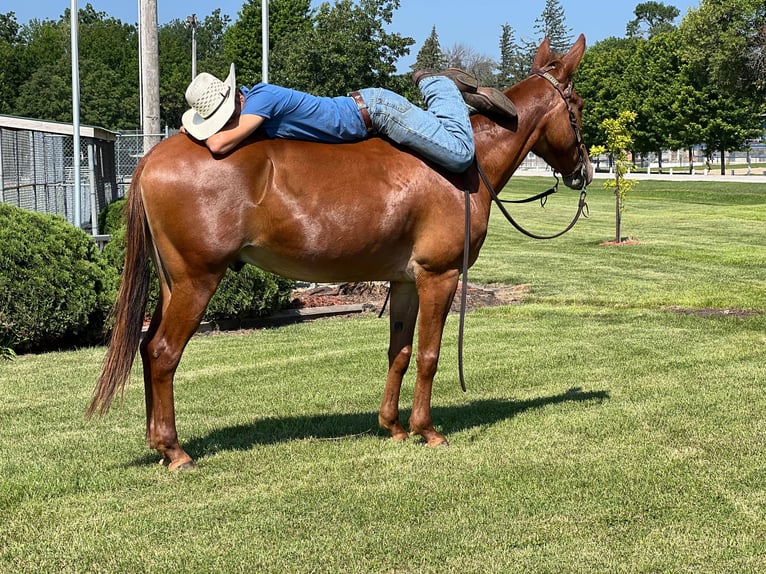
x,y
677,176
712,176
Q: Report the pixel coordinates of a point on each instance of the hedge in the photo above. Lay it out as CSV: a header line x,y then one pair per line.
x,y
247,293
56,289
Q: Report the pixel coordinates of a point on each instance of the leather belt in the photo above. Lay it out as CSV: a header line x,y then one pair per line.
x,y
357,97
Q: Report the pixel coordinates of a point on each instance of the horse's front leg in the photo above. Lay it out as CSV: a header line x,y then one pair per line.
x,y
436,292
404,313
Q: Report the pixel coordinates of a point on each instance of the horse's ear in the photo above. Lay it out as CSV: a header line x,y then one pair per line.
x,y
572,59
543,55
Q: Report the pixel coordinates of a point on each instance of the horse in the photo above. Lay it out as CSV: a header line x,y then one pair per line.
x,y
365,211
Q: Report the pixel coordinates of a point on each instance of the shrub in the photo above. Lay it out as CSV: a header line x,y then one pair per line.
x,y
55,287
247,293
112,217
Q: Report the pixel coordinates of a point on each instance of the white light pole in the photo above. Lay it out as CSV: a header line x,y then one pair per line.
x,y
265,40
77,208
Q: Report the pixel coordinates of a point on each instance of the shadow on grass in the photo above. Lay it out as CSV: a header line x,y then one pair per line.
x,y
448,420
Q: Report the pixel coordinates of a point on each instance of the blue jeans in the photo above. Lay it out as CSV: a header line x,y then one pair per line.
x,y
442,133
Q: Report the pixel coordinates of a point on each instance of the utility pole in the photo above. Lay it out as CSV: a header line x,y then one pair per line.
x,y
191,22
150,76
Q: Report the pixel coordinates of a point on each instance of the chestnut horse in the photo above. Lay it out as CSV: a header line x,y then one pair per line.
x,y
323,212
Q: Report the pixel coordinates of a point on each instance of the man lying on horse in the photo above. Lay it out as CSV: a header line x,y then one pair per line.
x,y
223,116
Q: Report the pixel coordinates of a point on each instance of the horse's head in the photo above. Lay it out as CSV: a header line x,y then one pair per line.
x,y
560,141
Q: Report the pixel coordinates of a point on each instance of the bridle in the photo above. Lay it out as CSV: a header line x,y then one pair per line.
x,y
566,95
581,169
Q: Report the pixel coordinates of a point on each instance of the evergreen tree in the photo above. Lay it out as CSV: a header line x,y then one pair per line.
x,y
510,69
552,25
430,56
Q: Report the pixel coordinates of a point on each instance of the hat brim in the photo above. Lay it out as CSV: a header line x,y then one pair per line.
x,y
202,128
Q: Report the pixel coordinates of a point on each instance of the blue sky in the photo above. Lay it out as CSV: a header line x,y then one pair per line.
x,y
476,24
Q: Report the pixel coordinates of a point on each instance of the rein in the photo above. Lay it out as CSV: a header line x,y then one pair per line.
x,y
582,208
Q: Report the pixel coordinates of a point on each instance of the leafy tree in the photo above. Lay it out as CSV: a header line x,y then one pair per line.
x,y
175,47
53,80
10,77
756,57
511,68
716,39
551,24
108,56
690,109
602,83
652,79
651,19
346,48
290,31
430,56
618,141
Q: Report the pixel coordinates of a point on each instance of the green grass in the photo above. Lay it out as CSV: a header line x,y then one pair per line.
x,y
601,431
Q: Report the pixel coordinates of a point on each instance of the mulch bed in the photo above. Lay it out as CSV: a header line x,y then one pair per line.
x,y
373,295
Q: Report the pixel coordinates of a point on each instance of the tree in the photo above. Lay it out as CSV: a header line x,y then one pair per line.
x,y
290,32
108,70
348,47
602,83
466,58
10,78
618,141
652,81
651,19
511,69
175,41
552,25
430,56
756,57
716,41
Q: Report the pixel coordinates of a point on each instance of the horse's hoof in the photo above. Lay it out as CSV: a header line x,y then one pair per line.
x,y
438,443
182,464
400,437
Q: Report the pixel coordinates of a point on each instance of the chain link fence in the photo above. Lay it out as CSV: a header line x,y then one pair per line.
x,y
37,169
128,151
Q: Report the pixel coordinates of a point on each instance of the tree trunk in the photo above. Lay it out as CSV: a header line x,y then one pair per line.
x,y
723,162
617,211
691,161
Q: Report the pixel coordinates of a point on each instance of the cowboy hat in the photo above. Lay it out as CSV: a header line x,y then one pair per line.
x,y
212,104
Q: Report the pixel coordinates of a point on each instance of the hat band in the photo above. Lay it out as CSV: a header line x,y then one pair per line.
x,y
220,103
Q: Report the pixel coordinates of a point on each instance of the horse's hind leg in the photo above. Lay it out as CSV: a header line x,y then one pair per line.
x,y
404,312
173,324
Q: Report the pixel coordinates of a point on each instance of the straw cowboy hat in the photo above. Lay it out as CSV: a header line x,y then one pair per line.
x,y
212,104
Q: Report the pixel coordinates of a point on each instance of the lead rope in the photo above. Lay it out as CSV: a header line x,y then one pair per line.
x,y
582,209
464,285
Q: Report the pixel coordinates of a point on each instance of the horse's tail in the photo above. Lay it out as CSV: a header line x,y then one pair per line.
x,y
128,310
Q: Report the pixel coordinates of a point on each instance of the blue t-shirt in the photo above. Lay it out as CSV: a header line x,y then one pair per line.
x,y
291,114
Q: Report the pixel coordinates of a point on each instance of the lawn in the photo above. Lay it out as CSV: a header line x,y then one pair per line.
x,y
614,422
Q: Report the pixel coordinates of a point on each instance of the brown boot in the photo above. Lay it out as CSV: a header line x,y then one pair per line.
x,y
465,82
490,101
